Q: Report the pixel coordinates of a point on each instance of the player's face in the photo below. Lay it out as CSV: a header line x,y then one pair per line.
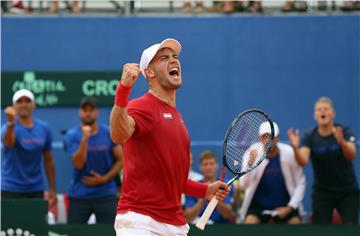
x,y
167,69
24,107
209,168
265,139
88,114
274,142
324,114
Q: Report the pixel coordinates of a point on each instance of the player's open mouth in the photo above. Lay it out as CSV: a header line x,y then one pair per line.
x,y
174,72
323,116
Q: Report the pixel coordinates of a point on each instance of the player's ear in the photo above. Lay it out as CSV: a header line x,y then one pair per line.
x,y
149,73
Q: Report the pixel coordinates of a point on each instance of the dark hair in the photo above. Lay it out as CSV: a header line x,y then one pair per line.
x,y
207,154
88,101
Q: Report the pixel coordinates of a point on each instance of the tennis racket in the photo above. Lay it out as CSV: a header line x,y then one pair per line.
x,y
246,144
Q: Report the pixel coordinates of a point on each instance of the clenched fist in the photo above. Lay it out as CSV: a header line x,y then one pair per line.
x,y
86,130
339,134
10,114
131,73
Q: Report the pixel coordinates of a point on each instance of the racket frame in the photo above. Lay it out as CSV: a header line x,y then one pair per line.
x,y
213,203
230,128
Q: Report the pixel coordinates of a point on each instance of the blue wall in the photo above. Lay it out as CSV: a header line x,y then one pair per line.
x,y
281,64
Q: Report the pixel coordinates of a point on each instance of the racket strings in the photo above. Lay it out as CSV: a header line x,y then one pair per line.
x,y
246,146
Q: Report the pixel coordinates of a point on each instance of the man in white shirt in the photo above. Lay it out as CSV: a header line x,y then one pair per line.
x,y
275,189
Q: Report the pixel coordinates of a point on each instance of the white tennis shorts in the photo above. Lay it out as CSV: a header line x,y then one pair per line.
x,y
132,223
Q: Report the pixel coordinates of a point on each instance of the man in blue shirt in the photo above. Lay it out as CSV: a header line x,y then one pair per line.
x,y
25,141
96,160
194,207
331,148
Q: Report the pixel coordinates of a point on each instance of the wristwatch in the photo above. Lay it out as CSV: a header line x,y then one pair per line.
x,y
10,124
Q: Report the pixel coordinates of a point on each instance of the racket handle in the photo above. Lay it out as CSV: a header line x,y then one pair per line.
x,y
207,213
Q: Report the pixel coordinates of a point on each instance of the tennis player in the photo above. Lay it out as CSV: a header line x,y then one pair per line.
x,y
331,149
156,148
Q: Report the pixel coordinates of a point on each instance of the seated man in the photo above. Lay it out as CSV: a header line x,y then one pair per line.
x,y
194,207
275,189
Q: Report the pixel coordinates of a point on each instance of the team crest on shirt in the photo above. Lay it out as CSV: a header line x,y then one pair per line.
x,y
167,116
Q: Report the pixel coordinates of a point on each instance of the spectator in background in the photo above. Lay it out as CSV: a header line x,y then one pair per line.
x,y
199,6
17,7
331,149
275,189
239,6
54,8
351,6
25,141
294,6
193,174
194,207
96,160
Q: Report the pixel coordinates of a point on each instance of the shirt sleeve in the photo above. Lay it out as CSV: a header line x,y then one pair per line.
x,y
349,135
142,115
71,143
305,140
195,189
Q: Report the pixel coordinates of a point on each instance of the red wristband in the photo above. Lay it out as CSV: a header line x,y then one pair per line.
x,y
195,189
122,95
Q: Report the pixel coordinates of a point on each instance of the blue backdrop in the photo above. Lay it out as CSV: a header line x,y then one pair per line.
x,y
280,64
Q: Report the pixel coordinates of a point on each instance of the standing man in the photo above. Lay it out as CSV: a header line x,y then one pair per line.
x,y
195,207
331,149
25,141
96,160
274,190
156,148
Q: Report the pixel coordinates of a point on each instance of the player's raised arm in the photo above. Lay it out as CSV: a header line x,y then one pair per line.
x,y
348,147
302,154
9,137
122,126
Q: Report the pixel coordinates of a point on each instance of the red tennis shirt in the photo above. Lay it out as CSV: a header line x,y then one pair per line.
x,y
156,163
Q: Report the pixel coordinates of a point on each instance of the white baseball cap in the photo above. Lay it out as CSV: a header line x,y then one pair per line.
x,y
266,129
22,93
149,53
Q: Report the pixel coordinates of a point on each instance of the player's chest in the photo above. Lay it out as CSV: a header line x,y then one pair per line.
x,y
170,125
